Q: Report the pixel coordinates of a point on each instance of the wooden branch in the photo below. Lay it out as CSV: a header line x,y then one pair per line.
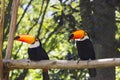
x,y
42,19
1,36
61,64
15,6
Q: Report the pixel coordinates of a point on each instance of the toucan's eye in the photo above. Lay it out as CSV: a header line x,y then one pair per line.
x,y
85,33
17,37
71,36
36,39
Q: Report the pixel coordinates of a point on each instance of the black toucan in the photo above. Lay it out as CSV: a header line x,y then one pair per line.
x,y
84,47
35,51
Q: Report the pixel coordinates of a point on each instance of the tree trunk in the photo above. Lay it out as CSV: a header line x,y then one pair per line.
x,y
104,22
101,22
105,28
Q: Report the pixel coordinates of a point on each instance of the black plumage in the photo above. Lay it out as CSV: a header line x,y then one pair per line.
x,y
84,47
37,53
86,52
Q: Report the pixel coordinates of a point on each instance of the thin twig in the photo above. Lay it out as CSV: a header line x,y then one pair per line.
x,y
23,14
42,19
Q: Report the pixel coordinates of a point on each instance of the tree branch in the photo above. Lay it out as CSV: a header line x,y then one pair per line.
x,y
1,35
12,29
62,64
24,13
15,6
42,19
7,19
22,75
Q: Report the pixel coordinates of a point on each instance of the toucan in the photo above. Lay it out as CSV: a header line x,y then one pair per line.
x,y
35,51
84,47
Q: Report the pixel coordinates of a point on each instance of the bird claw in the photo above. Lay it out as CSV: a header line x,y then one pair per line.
x,y
78,60
88,61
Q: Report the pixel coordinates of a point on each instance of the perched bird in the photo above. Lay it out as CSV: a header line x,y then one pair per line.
x,y
84,47
35,51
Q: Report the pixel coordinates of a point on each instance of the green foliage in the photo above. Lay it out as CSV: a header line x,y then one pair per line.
x,y
117,73
61,17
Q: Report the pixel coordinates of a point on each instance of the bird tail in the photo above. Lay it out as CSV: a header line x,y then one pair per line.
x,y
45,74
92,72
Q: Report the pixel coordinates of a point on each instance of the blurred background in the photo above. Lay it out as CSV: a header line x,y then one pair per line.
x,y
52,21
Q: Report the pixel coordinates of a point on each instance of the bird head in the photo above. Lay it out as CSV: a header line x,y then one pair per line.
x,y
26,38
78,34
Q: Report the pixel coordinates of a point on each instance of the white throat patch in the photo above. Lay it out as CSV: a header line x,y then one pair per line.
x,y
86,37
36,44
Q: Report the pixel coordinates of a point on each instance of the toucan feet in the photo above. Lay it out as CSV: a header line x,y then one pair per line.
x,y
88,61
78,60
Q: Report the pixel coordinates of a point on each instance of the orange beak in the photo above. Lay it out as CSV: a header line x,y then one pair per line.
x,y
78,34
25,38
